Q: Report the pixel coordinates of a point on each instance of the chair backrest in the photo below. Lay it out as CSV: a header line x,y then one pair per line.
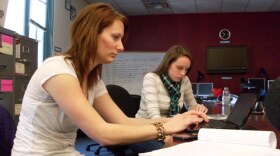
x,y
272,103
126,102
129,104
136,98
7,132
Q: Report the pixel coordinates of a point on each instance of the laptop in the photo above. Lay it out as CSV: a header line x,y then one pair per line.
x,y
236,119
204,90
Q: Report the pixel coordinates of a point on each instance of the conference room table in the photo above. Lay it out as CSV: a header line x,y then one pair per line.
x,y
261,122
256,121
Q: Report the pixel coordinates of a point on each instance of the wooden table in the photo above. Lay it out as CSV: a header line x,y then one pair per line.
x,y
261,122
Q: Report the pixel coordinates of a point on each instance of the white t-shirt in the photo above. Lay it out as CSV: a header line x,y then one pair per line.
x,y
44,129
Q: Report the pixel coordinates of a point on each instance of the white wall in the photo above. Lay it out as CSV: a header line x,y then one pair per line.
x,y
62,22
3,7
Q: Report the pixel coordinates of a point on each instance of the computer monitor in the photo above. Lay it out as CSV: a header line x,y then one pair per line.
x,y
258,83
204,89
269,82
194,88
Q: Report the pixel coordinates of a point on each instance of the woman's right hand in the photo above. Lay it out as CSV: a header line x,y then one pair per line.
x,y
180,122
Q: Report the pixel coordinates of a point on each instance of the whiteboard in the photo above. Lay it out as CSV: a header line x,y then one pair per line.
x,y
129,68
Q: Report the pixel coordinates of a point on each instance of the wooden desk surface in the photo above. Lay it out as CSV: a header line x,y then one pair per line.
x,y
262,123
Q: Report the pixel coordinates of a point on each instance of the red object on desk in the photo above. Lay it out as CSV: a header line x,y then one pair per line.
x,y
217,92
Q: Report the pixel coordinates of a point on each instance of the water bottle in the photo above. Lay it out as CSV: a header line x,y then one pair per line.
x,y
226,96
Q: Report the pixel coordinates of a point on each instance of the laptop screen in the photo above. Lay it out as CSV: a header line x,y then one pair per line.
x,y
259,83
204,89
242,108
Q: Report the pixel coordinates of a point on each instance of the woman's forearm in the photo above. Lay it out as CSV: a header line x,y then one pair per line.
x,y
125,134
143,121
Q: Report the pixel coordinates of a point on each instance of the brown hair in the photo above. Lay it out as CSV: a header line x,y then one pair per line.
x,y
85,29
172,54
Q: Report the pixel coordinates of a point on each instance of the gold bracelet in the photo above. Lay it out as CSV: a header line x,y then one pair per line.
x,y
160,130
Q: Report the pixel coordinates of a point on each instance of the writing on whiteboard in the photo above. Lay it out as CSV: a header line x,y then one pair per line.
x,y
129,68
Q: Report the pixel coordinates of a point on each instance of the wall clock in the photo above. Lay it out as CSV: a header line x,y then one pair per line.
x,y
224,34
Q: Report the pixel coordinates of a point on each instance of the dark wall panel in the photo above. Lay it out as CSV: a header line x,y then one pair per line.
x,y
260,32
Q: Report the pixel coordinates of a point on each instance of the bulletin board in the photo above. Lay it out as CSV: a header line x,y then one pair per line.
x,y
129,68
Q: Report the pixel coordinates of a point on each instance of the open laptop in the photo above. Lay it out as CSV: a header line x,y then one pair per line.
x,y
204,90
236,119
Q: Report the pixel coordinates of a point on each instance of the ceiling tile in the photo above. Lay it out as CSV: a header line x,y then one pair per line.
x,y
160,11
208,6
259,5
181,7
234,6
276,6
134,9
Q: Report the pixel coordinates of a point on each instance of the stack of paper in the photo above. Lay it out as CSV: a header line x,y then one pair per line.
x,y
222,142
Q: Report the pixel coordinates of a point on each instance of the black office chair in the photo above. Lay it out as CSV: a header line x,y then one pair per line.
x,y
129,104
272,103
7,132
136,99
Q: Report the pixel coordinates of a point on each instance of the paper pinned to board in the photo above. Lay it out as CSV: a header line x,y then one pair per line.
x,y
7,44
17,51
20,68
6,85
17,109
221,142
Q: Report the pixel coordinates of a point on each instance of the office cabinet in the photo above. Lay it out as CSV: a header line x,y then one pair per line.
x,y
26,54
20,87
5,68
18,62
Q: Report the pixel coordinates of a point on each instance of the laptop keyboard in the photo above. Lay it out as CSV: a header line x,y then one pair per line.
x,y
220,124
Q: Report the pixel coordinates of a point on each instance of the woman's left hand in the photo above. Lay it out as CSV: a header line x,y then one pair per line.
x,y
200,108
